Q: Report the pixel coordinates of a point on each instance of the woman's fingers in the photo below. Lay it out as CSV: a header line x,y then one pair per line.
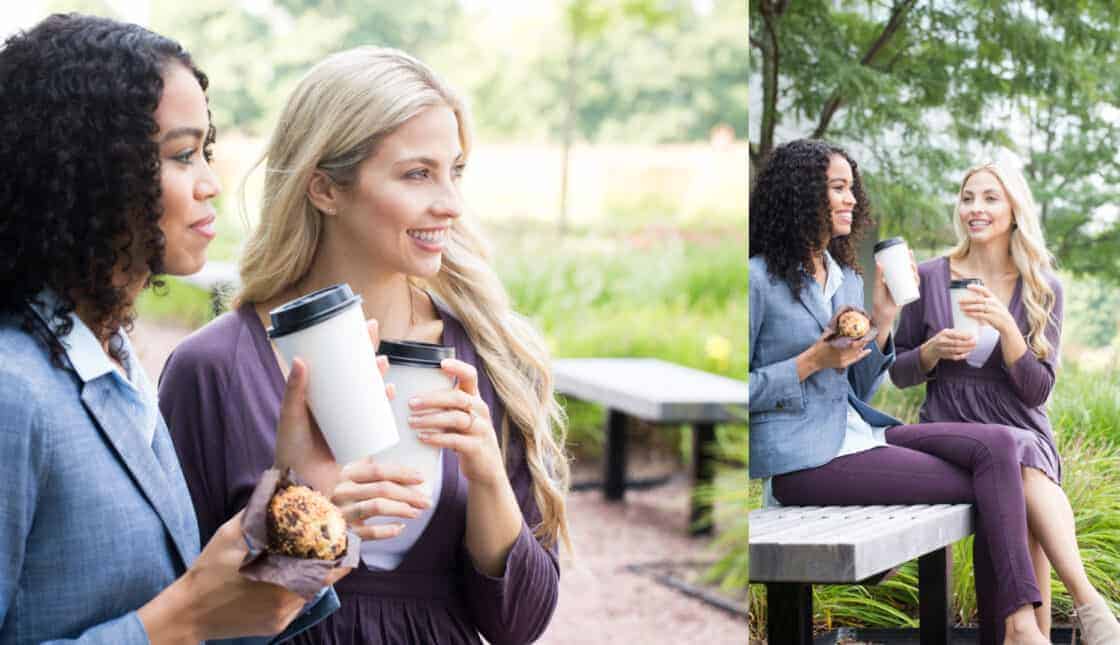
x,y
464,373
378,531
362,510
447,420
367,470
458,442
348,491
448,399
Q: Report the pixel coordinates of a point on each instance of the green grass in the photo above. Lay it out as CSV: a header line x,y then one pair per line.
x,y
1085,412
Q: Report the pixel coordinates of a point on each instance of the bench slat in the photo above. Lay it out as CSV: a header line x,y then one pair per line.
x,y
845,544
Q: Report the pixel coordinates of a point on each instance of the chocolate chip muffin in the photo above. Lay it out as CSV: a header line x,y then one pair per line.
x,y
304,524
853,324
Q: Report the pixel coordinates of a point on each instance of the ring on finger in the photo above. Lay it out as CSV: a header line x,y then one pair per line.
x,y
472,416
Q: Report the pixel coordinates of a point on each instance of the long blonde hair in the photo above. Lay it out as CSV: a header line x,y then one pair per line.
x,y
1028,251
334,120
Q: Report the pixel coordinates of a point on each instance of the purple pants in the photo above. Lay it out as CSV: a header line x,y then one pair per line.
x,y
939,463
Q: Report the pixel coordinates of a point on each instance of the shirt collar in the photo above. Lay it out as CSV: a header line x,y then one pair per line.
x,y
81,346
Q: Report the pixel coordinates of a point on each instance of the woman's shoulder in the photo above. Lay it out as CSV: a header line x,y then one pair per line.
x,y
28,375
932,269
213,345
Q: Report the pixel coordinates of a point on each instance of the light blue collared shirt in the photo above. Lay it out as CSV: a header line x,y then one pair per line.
x,y
91,362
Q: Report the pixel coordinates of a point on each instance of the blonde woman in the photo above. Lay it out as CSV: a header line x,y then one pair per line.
x,y
1006,373
362,186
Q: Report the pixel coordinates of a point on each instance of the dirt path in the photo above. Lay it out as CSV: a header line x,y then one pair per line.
x,y
600,602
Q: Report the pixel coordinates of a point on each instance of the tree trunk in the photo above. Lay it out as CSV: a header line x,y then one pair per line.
x,y
569,131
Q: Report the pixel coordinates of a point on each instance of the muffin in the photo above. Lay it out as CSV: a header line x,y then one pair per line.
x,y
302,523
853,324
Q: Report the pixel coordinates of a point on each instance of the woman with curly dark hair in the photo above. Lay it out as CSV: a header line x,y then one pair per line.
x,y
814,437
105,183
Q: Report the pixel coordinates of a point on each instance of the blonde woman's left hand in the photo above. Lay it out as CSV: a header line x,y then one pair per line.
x,y
459,419
983,305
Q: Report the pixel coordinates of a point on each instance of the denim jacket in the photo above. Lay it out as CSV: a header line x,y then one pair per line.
x,y
800,424
94,520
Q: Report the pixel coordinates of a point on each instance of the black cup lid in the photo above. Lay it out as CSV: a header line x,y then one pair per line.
x,y
963,284
887,243
309,310
415,353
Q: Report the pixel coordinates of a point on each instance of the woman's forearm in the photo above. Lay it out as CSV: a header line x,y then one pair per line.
x,y
493,523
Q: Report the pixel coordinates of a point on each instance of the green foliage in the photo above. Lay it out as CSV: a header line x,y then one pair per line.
x,y
178,303
922,89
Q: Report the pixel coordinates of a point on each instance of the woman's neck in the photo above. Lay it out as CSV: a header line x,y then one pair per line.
x,y
992,259
94,320
388,297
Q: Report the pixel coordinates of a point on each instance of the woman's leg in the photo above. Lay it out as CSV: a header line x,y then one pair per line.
x,y
886,475
1051,521
989,453
1042,575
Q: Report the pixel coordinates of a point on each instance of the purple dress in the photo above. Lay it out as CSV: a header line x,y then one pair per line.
x,y
220,392
1014,396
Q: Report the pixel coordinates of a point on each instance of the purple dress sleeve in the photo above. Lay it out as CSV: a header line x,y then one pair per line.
x,y
911,332
1032,378
517,606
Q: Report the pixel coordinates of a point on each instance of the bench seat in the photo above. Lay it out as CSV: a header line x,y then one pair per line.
x,y
794,547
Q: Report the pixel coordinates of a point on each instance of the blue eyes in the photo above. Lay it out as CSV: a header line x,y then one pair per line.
x,y
424,173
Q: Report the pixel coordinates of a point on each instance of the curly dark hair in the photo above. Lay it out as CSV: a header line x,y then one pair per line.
x,y
790,215
80,169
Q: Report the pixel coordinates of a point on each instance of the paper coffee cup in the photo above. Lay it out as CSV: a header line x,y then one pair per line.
x,y
414,370
957,290
327,330
894,256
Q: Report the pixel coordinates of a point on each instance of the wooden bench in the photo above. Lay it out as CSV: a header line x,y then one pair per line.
x,y
217,278
794,547
659,392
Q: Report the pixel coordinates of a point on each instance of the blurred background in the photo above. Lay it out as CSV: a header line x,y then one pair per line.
x,y
609,171
919,91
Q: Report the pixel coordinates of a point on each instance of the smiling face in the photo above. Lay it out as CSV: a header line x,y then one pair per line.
x,y
404,197
841,199
186,179
984,208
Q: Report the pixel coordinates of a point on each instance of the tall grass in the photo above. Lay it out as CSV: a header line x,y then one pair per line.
x,y
1085,412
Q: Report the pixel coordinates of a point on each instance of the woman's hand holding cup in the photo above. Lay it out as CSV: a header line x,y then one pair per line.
x,y
369,489
948,344
983,305
459,419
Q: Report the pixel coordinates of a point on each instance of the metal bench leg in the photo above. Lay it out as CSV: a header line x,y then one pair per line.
x,y
614,482
703,438
935,602
789,613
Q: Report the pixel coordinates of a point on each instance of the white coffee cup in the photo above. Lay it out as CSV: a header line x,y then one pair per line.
x,y
959,289
346,394
894,256
414,370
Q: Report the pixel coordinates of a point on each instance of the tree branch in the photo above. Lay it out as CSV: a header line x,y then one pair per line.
x,y
898,17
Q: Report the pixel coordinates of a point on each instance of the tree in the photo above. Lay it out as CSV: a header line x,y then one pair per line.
x,y
917,87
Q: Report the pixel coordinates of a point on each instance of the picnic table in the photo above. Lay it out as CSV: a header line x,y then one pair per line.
x,y
658,392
